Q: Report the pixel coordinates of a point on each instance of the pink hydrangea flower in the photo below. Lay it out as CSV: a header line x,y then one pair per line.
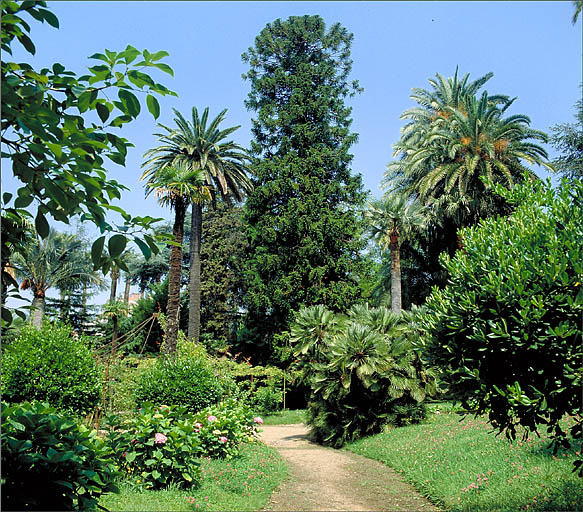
x,y
159,438
257,419
211,418
222,439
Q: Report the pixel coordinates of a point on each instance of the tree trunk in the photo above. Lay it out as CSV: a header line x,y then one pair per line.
x,y
38,309
194,284
126,293
395,273
173,307
114,277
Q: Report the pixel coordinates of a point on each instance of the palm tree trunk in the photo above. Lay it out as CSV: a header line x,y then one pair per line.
x,y
173,307
395,273
194,285
114,277
126,293
38,309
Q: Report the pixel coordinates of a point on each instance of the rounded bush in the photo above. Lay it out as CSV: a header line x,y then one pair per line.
x,y
189,382
49,462
51,365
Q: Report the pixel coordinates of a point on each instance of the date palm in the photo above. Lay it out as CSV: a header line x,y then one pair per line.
x,y
202,146
392,220
177,186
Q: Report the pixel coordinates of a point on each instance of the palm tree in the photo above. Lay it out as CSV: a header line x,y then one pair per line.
x,y
49,263
476,142
176,186
392,220
578,5
453,141
223,163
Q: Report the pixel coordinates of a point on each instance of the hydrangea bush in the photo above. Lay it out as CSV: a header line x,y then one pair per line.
x,y
157,447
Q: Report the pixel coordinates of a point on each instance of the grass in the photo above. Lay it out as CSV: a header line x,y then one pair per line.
x,y
286,417
463,466
243,483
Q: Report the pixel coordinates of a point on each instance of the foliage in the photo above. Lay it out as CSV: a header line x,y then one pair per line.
x,y
507,327
367,368
56,130
303,227
223,428
462,466
49,462
222,254
267,399
179,380
243,483
567,138
158,446
50,364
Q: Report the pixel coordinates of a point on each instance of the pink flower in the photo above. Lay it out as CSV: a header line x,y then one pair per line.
x,y
257,419
211,418
160,438
222,439
198,425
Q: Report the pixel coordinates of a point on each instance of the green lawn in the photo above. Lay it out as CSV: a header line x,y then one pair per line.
x,y
243,483
463,466
286,417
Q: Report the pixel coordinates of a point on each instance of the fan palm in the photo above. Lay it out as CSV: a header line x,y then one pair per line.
x,y
224,165
392,220
176,185
49,263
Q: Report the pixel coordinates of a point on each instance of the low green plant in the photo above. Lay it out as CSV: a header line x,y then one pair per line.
x,y
180,380
461,465
223,428
52,365
267,399
50,462
157,447
242,483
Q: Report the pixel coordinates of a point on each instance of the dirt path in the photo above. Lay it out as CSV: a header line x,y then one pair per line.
x,y
326,479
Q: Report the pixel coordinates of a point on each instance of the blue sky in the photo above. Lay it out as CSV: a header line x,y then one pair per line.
x,y
531,47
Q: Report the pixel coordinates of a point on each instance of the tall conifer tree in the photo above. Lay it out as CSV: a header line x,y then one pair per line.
x,y
303,214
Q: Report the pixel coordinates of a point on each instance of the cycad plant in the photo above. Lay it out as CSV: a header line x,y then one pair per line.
x,y
368,372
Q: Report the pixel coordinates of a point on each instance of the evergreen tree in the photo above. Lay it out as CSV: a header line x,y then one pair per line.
x,y
304,228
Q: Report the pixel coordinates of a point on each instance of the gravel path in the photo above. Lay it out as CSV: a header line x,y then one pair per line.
x,y
327,479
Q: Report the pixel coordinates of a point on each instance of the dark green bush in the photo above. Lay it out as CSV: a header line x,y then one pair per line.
x,y
180,380
507,327
49,462
49,364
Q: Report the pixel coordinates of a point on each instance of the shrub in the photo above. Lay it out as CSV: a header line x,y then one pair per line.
x,y
267,399
224,427
507,327
365,370
49,462
157,446
179,380
49,364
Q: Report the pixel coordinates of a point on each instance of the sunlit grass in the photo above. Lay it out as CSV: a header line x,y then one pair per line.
x,y
463,465
243,483
286,417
